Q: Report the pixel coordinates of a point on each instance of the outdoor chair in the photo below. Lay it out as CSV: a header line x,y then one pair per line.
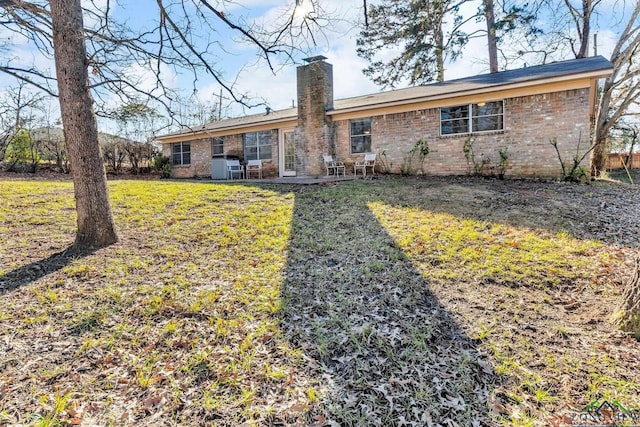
x,y
332,166
368,162
254,166
234,168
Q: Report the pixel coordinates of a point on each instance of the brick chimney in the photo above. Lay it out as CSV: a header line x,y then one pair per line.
x,y
314,134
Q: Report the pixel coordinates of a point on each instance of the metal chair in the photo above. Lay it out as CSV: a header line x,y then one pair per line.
x,y
254,166
234,168
368,162
332,165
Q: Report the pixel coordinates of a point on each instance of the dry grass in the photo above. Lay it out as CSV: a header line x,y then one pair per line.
x,y
390,302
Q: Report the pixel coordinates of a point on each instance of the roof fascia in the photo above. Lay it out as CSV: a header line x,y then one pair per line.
x,y
409,104
228,130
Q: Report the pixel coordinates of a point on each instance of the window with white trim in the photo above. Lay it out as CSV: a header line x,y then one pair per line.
x,y
217,146
181,154
257,145
470,118
360,135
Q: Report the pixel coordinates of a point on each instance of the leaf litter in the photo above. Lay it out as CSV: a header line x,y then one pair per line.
x,y
324,305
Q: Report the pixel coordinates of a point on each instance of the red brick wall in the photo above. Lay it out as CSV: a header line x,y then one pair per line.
x,y
200,166
530,122
200,160
314,134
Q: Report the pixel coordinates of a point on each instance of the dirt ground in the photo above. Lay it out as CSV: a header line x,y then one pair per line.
x,y
571,349
604,210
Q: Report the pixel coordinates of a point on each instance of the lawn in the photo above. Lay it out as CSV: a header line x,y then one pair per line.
x,y
364,303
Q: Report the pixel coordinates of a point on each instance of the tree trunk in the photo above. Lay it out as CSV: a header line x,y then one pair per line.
x,y
491,35
601,129
599,155
439,39
585,30
627,318
95,223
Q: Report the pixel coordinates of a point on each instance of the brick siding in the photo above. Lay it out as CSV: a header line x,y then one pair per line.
x,y
200,166
530,122
314,134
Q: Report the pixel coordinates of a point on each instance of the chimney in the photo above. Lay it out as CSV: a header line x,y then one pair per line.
x,y
314,134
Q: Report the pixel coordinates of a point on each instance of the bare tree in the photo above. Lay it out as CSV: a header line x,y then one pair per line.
x,y
51,145
18,110
182,37
620,90
568,30
95,221
627,316
113,152
581,18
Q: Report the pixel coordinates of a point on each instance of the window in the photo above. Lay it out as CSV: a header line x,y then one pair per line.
x,y
217,146
360,134
481,117
181,154
257,145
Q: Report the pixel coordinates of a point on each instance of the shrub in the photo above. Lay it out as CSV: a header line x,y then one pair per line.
x,y
162,165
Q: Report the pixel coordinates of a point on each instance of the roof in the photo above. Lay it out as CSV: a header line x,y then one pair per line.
x,y
595,66
592,67
274,117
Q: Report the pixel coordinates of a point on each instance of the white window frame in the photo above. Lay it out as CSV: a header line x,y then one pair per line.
x,y
181,152
473,115
264,138
366,135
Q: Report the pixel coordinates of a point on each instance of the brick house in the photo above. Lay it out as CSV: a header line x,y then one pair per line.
x,y
491,123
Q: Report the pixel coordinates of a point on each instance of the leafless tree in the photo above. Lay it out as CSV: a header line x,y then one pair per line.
x,y
96,57
568,30
620,90
19,108
627,315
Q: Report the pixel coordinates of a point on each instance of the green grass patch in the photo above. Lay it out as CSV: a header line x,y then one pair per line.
x,y
449,248
375,302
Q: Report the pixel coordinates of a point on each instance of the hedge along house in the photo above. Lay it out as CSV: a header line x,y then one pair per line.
x,y
502,121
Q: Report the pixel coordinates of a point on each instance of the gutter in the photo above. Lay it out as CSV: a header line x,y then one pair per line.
x,y
484,89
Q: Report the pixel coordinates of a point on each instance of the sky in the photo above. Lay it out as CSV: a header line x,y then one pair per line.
x,y
338,44
277,88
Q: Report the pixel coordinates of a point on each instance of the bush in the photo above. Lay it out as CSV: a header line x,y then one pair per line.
x,y
162,165
21,154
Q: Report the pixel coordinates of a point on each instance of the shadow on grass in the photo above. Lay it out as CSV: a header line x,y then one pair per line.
x,y
387,351
33,271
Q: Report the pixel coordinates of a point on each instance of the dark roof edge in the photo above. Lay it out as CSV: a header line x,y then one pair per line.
x,y
595,72
594,67
244,124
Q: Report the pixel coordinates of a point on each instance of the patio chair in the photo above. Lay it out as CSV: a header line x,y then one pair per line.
x,y
254,166
234,168
368,162
333,166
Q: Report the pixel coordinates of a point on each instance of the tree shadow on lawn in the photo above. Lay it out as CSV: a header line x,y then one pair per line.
x,y
30,273
386,307
387,350
596,212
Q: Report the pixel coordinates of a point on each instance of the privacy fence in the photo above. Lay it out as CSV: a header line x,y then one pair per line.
x,y
617,160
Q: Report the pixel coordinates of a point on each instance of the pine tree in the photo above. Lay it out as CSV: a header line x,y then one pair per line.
x,y
416,29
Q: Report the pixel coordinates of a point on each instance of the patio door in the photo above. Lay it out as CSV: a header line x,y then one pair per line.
x,y
287,153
